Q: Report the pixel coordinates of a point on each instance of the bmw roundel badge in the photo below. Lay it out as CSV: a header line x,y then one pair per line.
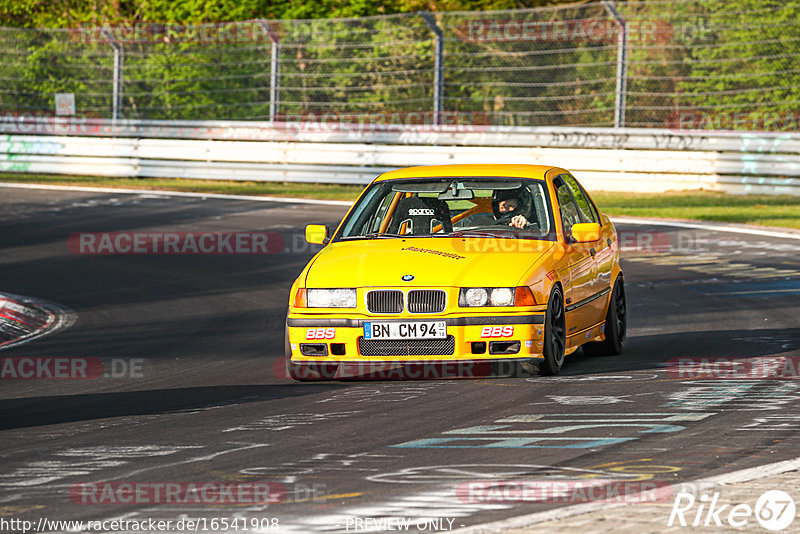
x,y
408,277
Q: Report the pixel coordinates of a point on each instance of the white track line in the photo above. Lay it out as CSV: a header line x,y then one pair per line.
x,y
287,200
788,234
743,475
291,200
530,520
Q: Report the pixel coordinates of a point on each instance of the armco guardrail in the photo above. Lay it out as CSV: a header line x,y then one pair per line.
x,y
603,158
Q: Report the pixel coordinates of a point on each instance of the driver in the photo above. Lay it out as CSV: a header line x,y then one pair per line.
x,y
508,205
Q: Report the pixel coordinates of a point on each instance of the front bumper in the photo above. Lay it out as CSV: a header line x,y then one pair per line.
x,y
317,339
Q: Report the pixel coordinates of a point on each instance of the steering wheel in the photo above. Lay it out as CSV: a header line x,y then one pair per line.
x,y
505,220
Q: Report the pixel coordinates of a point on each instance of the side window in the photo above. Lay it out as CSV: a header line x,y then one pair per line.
x,y
585,208
380,214
566,204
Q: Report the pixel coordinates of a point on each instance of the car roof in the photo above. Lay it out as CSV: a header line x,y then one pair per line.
x,y
494,170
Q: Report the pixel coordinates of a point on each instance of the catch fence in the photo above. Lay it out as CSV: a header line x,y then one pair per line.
x,y
688,65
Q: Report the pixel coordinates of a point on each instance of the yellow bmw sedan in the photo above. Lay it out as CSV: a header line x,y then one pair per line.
x,y
459,264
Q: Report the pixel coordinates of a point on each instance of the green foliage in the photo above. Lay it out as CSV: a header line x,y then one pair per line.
x,y
69,13
744,59
716,64
692,64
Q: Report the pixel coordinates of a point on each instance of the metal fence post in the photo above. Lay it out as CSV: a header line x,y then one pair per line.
x,y
116,92
274,71
622,60
438,67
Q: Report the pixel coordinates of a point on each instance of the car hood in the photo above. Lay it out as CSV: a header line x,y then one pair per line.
x,y
444,262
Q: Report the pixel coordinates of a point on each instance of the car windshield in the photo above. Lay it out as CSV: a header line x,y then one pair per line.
x,y
483,207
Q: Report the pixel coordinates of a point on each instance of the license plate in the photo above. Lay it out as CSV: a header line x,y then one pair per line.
x,y
410,330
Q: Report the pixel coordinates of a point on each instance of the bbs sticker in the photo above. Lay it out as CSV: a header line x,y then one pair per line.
x,y
497,331
321,333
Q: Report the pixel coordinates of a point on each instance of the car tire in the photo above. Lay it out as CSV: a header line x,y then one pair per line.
x,y
555,334
616,325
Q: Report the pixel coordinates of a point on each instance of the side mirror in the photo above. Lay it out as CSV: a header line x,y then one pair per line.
x,y
317,234
586,232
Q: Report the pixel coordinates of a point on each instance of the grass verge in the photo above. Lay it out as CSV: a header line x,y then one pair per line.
x,y
227,187
763,210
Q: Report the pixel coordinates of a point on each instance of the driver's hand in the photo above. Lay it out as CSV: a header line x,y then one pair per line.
x,y
518,221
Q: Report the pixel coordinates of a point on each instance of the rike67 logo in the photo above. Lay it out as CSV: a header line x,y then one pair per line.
x,y
774,510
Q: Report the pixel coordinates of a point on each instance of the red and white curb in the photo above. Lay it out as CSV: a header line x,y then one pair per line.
x,y
23,319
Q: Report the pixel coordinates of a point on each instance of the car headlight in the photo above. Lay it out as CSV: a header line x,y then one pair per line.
x,y
486,296
331,298
473,296
502,296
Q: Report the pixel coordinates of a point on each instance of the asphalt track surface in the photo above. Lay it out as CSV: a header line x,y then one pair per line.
x,y
193,389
